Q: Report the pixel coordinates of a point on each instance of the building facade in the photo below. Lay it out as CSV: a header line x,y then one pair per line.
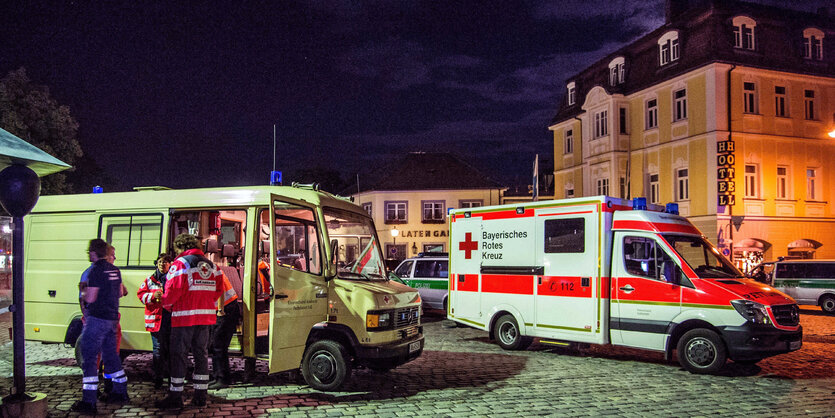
x,y
410,197
726,110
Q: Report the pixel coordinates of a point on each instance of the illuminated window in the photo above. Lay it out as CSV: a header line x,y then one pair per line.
x,y
396,212
617,71
744,32
812,184
433,210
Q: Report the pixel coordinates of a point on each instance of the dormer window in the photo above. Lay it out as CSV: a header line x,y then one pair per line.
x,y
813,44
617,71
668,48
744,32
572,93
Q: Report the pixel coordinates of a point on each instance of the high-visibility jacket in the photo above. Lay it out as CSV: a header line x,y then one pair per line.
x,y
228,296
153,309
264,277
192,289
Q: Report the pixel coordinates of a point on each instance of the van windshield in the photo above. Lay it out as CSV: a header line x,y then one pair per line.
x,y
702,257
358,252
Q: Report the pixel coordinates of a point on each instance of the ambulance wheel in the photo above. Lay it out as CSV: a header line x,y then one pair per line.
x,y
325,365
828,304
701,351
507,334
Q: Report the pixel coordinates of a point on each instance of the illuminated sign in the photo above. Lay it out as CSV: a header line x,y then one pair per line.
x,y
725,173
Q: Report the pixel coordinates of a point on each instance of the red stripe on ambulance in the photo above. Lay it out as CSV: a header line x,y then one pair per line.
x,y
655,227
563,286
512,284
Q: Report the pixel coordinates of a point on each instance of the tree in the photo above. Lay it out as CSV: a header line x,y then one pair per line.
x,y
28,111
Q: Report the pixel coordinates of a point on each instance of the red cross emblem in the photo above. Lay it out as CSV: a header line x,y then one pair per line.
x,y
468,245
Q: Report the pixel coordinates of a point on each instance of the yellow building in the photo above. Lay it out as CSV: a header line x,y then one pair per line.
x,y
725,110
410,197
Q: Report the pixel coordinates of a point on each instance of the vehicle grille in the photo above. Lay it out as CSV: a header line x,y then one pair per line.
x,y
406,316
786,315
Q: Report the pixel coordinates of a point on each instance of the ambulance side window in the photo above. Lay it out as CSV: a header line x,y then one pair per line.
x,y
565,235
642,257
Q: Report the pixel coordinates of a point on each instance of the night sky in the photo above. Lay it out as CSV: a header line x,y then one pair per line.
x,y
186,95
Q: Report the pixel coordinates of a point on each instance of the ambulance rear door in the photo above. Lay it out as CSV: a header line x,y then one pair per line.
x,y
568,249
300,296
465,270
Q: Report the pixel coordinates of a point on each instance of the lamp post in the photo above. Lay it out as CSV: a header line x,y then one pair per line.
x,y
394,233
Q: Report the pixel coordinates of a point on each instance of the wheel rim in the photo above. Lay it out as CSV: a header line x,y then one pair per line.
x,y
828,304
323,365
700,352
508,333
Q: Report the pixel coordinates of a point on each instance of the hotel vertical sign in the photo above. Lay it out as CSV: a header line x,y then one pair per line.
x,y
725,173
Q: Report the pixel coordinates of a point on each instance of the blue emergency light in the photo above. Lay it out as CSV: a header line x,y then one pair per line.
x,y
275,178
639,203
671,208
97,190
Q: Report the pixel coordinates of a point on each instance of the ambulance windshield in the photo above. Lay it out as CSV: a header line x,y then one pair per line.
x,y
702,257
358,254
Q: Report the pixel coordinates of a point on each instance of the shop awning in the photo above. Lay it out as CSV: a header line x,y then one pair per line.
x,y
804,245
751,244
14,150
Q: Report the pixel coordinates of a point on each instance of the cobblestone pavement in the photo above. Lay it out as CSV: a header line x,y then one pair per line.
x,y
461,373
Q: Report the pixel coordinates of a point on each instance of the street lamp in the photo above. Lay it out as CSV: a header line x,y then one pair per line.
x,y
394,234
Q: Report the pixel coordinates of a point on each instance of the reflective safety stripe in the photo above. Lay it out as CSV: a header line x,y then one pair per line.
x,y
201,377
123,379
194,312
175,380
175,273
151,317
91,379
149,325
176,388
230,294
201,386
208,288
120,373
90,387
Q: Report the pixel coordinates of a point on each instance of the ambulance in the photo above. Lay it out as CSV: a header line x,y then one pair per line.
x,y
328,306
601,270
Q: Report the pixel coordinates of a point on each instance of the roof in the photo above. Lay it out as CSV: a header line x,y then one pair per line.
x,y
705,37
14,150
426,171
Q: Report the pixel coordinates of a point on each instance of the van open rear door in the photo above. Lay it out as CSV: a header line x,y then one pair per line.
x,y
300,295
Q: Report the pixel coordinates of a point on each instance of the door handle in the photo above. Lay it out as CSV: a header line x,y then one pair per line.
x,y
540,279
280,296
627,289
461,278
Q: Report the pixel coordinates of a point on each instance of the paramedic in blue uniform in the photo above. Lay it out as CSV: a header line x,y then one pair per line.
x,y
104,288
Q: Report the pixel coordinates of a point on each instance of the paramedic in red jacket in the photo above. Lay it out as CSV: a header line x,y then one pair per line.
x,y
192,288
157,319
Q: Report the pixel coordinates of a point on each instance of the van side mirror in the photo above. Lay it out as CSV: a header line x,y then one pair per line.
x,y
671,272
333,267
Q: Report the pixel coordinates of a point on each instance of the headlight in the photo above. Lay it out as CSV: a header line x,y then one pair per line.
x,y
751,311
378,320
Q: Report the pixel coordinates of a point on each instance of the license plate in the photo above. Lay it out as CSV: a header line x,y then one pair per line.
x,y
415,346
794,345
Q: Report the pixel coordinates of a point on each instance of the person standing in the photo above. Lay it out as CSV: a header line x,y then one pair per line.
x,y
228,317
157,319
104,288
192,289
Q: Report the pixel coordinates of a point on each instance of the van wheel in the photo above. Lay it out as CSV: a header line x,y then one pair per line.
x,y
507,334
701,351
828,304
325,365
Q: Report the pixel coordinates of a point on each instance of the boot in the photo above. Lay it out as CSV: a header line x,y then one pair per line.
x,y
174,400
85,408
219,384
199,398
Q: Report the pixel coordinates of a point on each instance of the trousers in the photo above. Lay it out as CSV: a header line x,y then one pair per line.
x,y
195,338
162,346
222,334
99,337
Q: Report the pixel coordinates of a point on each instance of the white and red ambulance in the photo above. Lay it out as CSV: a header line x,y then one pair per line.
x,y
603,270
